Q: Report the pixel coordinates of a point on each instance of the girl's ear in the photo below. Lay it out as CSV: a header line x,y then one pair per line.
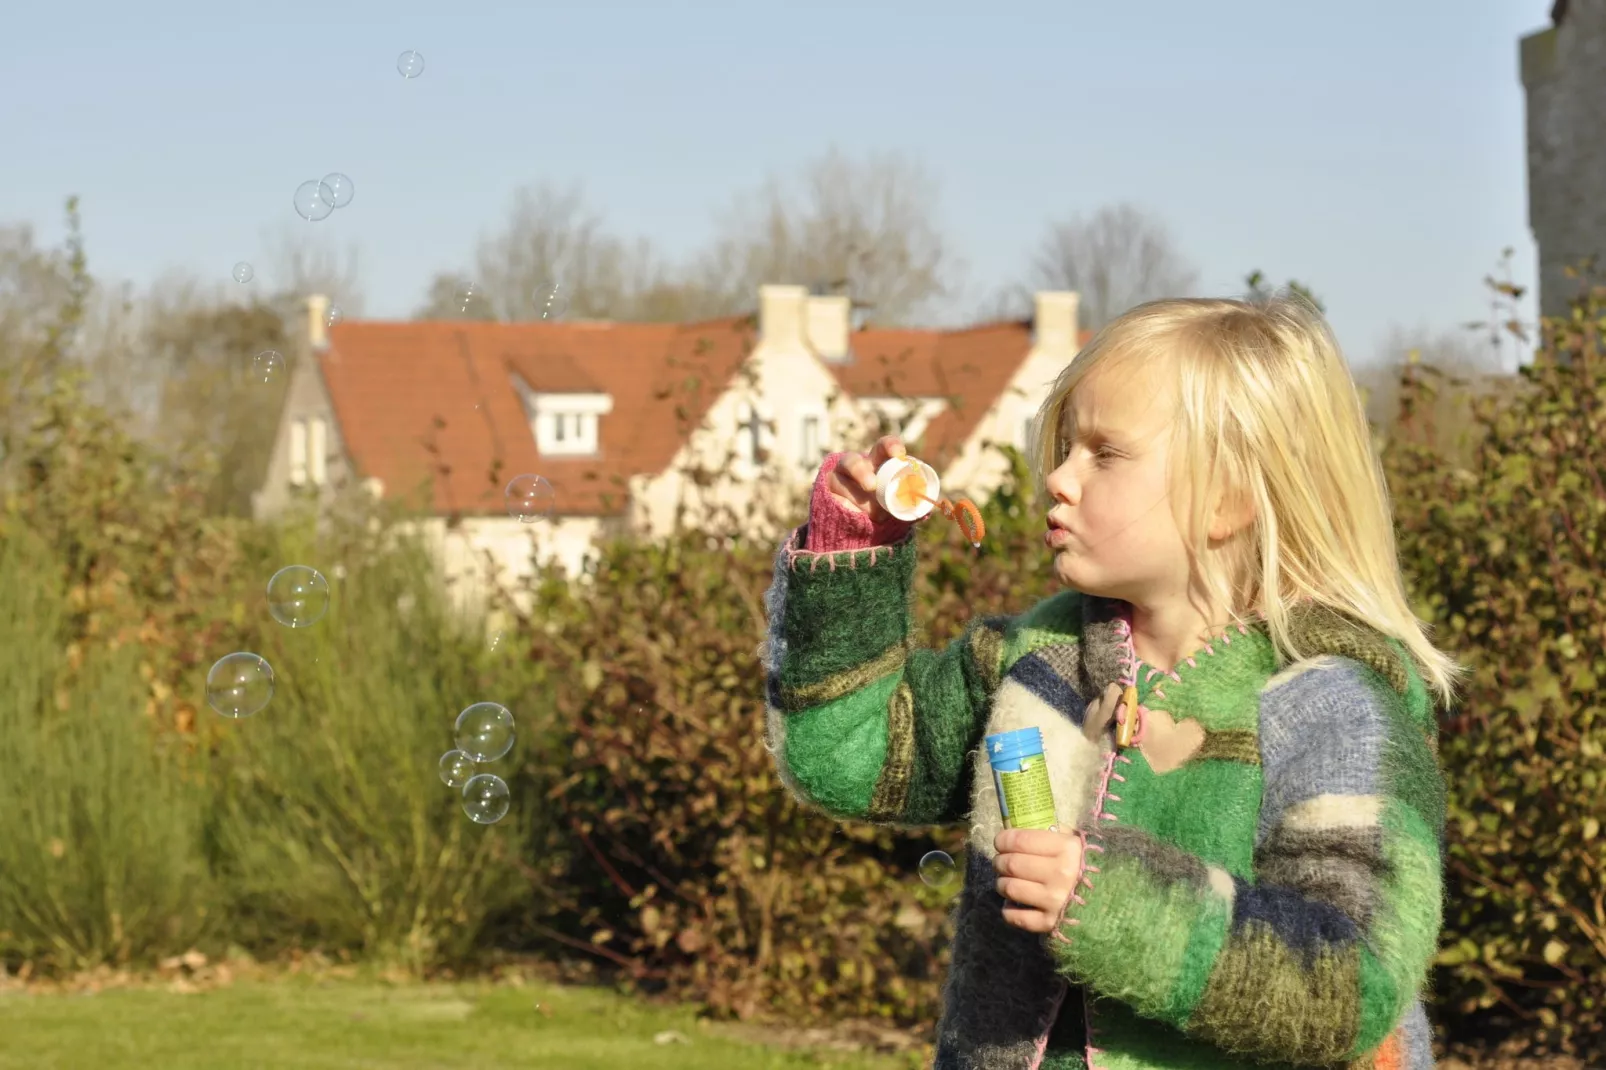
x,y
1232,512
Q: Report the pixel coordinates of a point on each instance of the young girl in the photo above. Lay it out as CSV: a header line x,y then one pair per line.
x,y
1236,701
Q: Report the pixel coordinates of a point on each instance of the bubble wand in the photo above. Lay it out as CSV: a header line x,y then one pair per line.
x,y
907,488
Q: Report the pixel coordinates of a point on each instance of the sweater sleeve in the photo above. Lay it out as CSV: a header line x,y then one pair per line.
x,y
864,723
1315,960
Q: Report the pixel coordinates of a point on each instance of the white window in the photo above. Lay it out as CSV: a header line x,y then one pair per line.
x,y
567,433
809,448
318,451
298,453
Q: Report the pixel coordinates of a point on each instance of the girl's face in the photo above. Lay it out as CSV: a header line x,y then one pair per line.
x,y
1112,526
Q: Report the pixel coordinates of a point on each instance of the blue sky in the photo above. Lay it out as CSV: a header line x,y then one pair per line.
x,y
1371,149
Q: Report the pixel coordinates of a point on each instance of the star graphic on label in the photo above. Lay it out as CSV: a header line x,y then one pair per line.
x,y
998,748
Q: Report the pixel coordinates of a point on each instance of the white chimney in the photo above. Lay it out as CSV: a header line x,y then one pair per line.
x,y
781,312
318,322
1055,319
829,320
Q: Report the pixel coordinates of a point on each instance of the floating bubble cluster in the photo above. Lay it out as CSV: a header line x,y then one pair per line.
x,y
298,596
239,684
530,498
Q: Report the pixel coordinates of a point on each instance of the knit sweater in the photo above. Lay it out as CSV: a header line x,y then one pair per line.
x,y
1272,898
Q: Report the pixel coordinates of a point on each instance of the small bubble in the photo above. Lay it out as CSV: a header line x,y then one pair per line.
x,y
333,316
267,365
456,768
530,498
243,272
486,798
484,731
410,64
314,200
551,301
337,189
470,302
937,869
298,596
496,640
239,684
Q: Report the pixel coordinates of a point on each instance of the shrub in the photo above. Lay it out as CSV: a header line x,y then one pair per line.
x,y
1507,554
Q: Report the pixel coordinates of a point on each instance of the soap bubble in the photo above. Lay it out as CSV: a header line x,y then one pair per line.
x,y
470,302
937,869
551,300
298,596
485,731
239,684
410,64
314,200
456,768
243,272
267,365
333,316
486,798
337,189
530,498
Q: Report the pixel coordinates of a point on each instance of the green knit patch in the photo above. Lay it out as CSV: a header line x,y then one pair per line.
x,y
1056,619
1221,690
1261,988
838,618
1167,806
951,701
1133,933
835,751
1405,928
1410,768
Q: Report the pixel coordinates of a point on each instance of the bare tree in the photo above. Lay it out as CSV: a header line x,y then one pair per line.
x,y
1116,258
552,260
299,262
867,228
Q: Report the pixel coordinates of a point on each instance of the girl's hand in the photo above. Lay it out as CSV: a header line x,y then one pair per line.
x,y
1038,869
852,482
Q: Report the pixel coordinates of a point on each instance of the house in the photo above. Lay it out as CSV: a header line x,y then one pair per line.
x,y
625,419
1564,80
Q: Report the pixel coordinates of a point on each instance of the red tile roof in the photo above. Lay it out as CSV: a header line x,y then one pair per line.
x,y
421,399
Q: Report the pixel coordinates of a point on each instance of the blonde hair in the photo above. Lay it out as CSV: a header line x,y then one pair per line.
x,y
1269,415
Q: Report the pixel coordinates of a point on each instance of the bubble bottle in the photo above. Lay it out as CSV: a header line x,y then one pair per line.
x,y
1021,776
909,490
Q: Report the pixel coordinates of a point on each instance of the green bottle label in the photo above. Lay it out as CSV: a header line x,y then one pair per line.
x,y
1028,801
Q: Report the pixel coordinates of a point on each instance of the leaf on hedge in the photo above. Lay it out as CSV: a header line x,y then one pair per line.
x,y
1555,951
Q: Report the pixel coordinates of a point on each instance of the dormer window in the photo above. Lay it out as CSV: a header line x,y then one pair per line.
x,y
567,425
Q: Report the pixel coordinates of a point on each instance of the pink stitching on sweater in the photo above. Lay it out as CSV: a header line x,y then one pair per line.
x,y
1048,1030
1092,1033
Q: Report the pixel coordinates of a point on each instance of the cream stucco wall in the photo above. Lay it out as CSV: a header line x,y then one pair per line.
x,y
784,379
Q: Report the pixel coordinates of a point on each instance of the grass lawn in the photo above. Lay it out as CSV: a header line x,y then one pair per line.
x,y
299,1022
